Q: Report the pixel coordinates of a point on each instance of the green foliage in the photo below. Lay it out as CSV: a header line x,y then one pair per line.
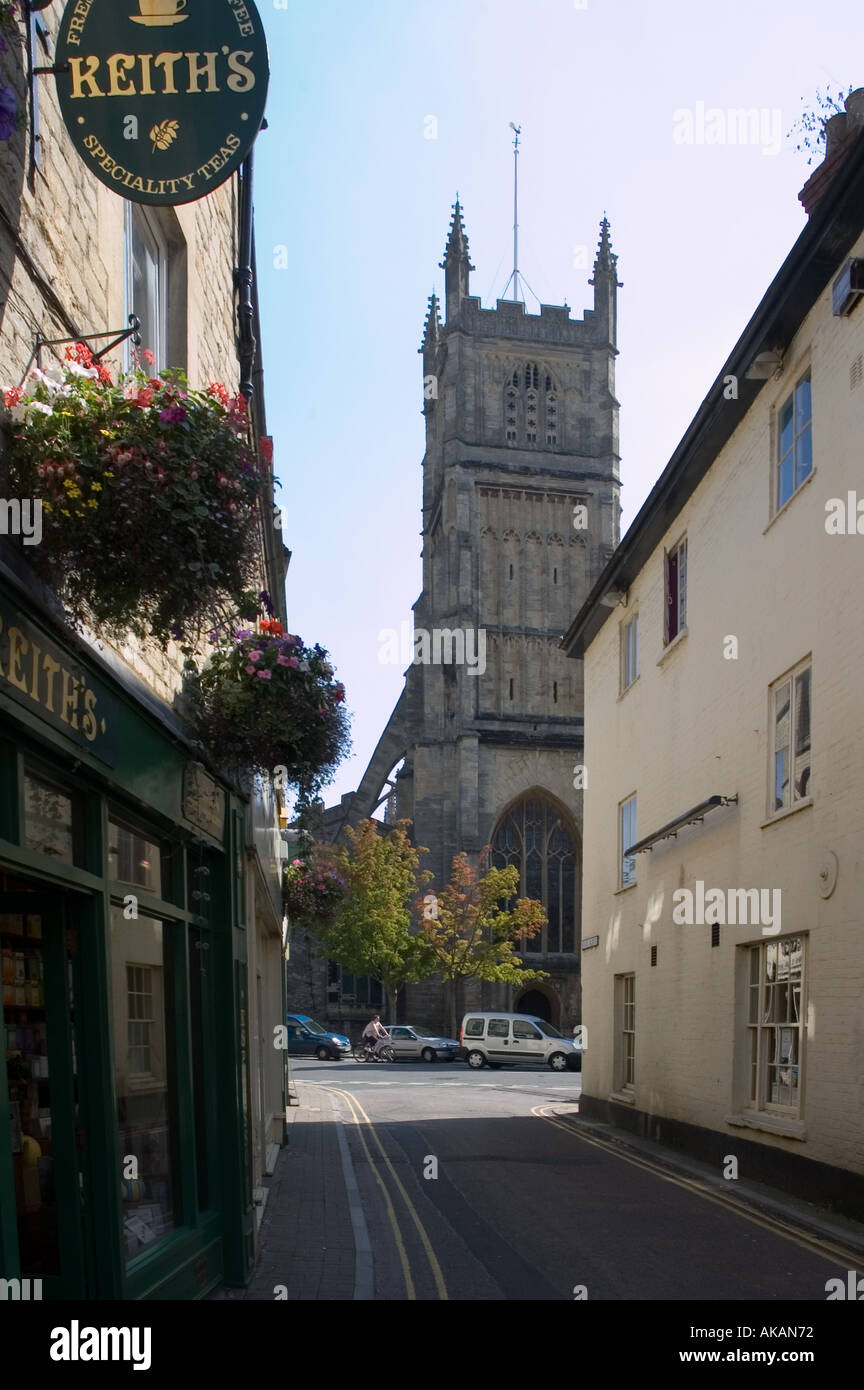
x,y
371,933
477,931
476,925
266,702
149,496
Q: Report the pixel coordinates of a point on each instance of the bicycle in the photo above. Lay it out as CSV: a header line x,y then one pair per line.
x,y
383,1052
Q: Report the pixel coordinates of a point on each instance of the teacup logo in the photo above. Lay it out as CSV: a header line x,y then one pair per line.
x,y
159,12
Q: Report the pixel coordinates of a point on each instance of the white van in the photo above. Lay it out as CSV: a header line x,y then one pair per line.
x,y
496,1039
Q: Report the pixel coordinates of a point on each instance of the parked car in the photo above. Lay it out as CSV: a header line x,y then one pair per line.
x,y
408,1041
505,1039
306,1038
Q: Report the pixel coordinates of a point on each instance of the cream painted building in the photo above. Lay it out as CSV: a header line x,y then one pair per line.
x,y
723,651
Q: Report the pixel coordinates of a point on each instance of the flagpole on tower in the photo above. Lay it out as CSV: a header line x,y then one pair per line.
x,y
517,131
516,274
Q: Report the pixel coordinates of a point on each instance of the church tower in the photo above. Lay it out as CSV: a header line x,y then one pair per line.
x,y
520,512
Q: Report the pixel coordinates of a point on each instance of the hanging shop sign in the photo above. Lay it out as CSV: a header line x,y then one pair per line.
x,y
163,99
49,682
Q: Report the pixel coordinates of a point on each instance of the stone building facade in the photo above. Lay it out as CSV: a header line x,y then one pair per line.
x,y
520,512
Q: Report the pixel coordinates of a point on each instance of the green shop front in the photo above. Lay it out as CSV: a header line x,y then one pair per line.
x,y
125,1087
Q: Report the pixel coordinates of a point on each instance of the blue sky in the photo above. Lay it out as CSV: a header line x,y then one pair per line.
x,y
353,206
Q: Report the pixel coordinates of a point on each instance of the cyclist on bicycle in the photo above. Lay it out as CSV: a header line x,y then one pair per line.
x,y
373,1033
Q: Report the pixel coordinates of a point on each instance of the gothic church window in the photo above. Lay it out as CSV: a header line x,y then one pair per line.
x,y
533,836
531,416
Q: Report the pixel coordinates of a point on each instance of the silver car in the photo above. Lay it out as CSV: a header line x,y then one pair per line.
x,y
407,1041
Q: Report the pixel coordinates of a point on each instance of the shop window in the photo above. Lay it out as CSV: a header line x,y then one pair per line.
x,y
199,976
776,1024
136,859
145,1082
53,821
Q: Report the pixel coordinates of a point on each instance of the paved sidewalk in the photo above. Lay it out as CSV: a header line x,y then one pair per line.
x,y
306,1240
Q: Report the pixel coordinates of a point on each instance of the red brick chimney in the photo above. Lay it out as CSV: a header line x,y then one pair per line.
x,y
841,134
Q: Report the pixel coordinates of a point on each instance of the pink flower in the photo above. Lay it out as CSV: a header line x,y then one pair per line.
x,y
288,661
266,675
250,671
254,656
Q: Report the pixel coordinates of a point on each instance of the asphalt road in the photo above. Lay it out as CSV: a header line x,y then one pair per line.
x,y
477,1186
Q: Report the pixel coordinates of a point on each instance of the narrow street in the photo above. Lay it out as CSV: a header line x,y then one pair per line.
x,y
519,1202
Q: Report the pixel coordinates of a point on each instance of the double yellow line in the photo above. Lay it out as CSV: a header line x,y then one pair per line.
x,y
363,1123
827,1249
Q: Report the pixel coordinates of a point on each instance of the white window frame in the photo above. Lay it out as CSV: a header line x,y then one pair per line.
x,y
626,876
775,691
760,1004
679,549
152,228
625,1079
798,432
144,974
629,652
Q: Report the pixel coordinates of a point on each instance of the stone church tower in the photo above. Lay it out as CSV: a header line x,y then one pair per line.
x,y
520,512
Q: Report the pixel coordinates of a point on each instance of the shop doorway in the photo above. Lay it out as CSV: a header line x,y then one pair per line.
x,y
45,1213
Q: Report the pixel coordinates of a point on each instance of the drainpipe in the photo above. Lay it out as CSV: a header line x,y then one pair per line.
x,y
244,280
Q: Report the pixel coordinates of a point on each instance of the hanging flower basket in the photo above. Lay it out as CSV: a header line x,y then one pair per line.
x,y
311,894
149,493
266,703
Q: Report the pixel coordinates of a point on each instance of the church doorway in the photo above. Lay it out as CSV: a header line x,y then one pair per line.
x,y
536,1002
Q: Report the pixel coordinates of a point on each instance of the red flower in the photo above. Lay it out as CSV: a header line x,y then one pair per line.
x,y
220,392
80,353
104,375
148,356
14,397
267,448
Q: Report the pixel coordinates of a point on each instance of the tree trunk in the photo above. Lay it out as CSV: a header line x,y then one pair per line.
x,y
392,996
451,1009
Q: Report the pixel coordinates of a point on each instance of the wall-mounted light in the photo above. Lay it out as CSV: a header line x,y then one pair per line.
x,y
763,367
613,597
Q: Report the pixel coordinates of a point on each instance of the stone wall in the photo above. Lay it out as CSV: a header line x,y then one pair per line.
x,y
62,272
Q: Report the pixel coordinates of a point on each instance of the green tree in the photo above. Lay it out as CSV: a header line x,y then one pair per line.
x,y
371,933
475,928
